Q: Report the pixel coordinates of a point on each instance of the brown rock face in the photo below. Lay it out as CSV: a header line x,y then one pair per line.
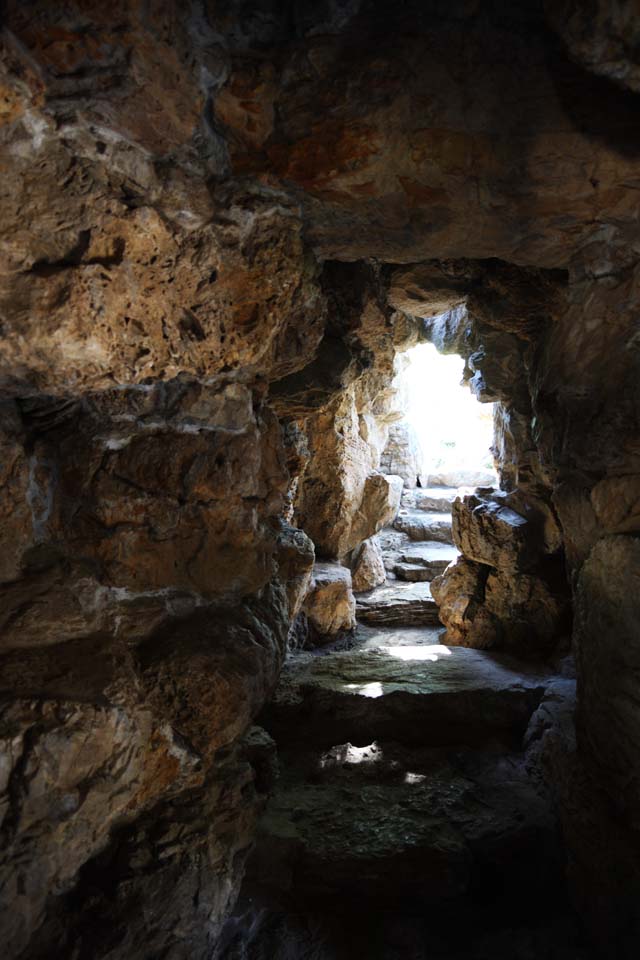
x,y
220,224
329,604
505,591
492,533
368,570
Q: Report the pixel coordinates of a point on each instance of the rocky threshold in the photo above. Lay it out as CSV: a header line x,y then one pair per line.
x,y
409,818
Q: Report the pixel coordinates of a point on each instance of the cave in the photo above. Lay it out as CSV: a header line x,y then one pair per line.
x,y
271,689
441,436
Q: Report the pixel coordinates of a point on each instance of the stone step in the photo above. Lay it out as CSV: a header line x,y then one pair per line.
x,y
437,499
424,561
412,573
398,605
392,823
410,692
422,525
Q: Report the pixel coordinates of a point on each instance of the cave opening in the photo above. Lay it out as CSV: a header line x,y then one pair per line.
x,y
448,430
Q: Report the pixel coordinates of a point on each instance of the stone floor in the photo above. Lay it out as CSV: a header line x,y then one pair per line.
x,y
410,819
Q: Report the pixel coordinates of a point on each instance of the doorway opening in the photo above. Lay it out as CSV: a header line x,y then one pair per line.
x,y
443,430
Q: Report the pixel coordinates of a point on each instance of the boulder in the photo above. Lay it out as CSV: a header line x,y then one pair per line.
x,y
419,525
489,532
368,569
396,604
380,504
295,564
424,694
459,593
486,608
402,455
435,499
330,605
528,614
431,556
462,478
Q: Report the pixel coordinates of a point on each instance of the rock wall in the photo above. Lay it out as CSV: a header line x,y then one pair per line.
x,y
218,223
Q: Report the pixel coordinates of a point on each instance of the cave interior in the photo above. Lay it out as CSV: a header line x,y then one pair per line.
x,y
270,687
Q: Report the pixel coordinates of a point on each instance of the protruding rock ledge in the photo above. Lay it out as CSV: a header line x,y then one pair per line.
x,y
421,525
398,604
427,694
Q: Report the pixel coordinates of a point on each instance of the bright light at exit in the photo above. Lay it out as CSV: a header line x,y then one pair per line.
x,y
454,430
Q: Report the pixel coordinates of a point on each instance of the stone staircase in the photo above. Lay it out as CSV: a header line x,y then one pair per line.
x,y
408,820
415,549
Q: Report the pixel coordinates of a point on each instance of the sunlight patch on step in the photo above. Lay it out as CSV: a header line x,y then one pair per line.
x,y
432,652
414,777
374,689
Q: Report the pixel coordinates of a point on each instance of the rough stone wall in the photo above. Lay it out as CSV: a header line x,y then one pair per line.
x,y
175,177
147,577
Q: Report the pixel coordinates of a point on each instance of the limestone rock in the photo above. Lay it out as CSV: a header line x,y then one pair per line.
x,y
461,478
394,604
216,215
616,503
296,557
380,503
486,608
489,532
528,614
368,567
604,40
420,525
608,599
422,694
330,605
431,555
459,593
402,455
413,573
428,289
436,499
430,209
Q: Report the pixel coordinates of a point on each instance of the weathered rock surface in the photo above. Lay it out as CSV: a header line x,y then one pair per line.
x,y
413,573
431,557
418,693
402,455
484,608
607,610
436,499
362,821
368,567
441,821
330,605
410,604
420,525
213,218
459,592
296,556
462,478
490,532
